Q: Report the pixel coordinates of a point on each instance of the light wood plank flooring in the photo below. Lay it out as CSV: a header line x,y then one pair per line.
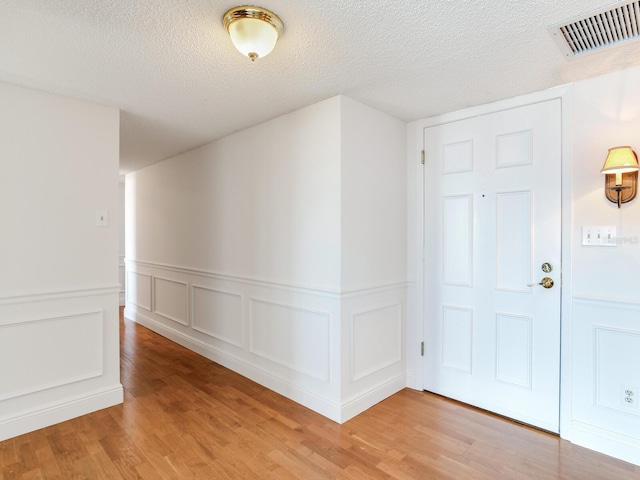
x,y
185,417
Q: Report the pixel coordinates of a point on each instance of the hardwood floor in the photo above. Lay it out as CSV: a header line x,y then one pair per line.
x,y
185,417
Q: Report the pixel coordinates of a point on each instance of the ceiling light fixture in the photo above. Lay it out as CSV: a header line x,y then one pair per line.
x,y
254,31
621,172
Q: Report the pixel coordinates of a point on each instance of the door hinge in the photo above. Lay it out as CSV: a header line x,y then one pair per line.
x,y
422,349
422,157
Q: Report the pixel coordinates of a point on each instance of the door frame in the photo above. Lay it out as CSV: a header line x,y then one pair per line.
x,y
416,253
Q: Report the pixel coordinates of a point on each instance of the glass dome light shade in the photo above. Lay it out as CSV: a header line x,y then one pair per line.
x,y
253,37
254,31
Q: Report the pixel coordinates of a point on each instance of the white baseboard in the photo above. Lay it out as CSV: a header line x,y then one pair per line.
x,y
334,410
324,406
605,441
356,406
412,381
60,412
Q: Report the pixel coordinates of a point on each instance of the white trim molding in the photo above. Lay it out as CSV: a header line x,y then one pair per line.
x,y
207,331
76,369
289,338
606,441
169,316
318,343
90,367
394,332
60,411
314,290
47,296
323,404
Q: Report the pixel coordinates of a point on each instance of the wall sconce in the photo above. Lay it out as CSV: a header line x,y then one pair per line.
x,y
621,175
254,31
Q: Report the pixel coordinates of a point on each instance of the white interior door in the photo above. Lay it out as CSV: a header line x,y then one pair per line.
x,y
492,222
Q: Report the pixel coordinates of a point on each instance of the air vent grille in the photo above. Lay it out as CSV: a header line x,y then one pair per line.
x,y
606,27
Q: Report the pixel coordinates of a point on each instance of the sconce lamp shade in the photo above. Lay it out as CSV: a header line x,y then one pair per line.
x,y
620,160
621,170
254,31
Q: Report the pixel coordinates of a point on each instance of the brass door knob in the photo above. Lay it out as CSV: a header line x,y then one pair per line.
x,y
546,282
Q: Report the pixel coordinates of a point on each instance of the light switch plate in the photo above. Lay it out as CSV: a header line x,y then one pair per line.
x,y
604,236
102,218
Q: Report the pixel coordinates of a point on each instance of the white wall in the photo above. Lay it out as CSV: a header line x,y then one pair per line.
x,y
606,281
373,246
253,205
59,283
238,250
374,204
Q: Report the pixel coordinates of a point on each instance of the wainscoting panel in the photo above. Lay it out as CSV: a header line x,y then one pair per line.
x,y
292,336
617,388
58,363
218,314
376,337
139,289
284,337
336,353
171,299
605,348
60,357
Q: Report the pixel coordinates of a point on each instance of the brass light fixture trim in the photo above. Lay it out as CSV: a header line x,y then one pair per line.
x,y
627,191
253,36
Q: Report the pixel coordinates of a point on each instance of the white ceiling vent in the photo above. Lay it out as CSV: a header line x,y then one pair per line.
x,y
606,27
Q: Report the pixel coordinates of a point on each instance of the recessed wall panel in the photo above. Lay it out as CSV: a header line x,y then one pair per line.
x,y
513,241
376,337
514,149
458,240
139,289
291,336
457,157
616,367
218,314
69,349
457,338
172,300
514,349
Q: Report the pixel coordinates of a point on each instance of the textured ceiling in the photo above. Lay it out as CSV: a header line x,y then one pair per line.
x,y
170,67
